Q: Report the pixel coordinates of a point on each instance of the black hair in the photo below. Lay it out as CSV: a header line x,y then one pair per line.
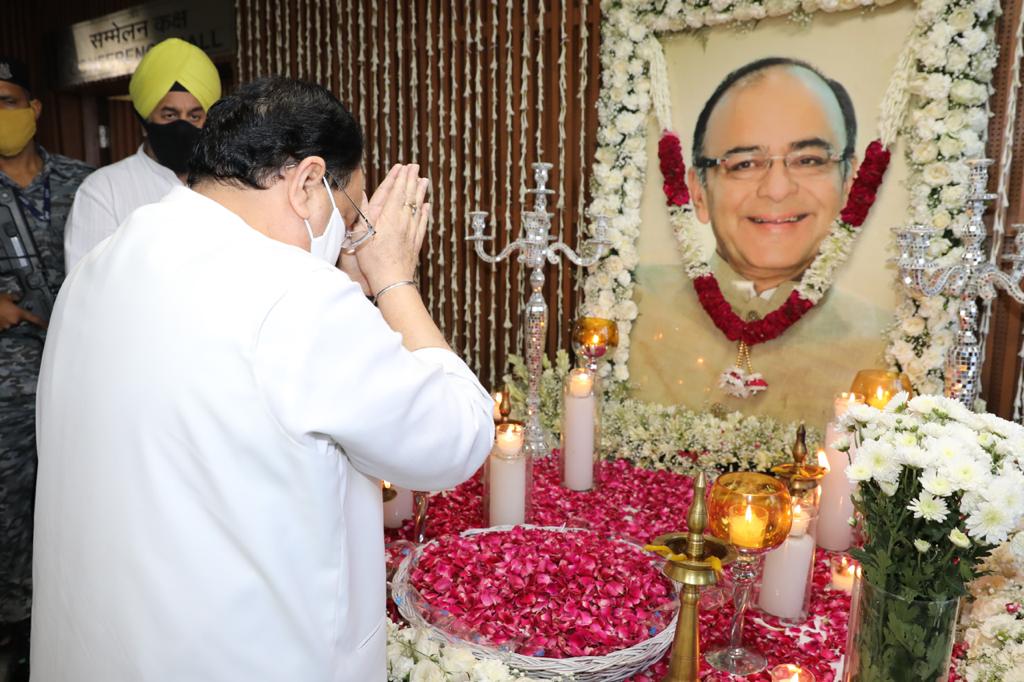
x,y
841,95
253,133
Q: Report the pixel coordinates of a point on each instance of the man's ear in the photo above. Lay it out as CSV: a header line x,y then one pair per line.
x,y
37,107
851,175
698,195
303,180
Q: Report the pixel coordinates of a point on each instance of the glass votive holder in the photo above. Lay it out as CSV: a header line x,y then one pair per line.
x,y
508,478
581,429
788,672
844,572
788,573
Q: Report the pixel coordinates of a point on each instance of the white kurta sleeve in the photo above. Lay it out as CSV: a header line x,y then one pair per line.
x,y
330,367
90,221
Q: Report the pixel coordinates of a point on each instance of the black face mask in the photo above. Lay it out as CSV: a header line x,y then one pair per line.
x,y
172,143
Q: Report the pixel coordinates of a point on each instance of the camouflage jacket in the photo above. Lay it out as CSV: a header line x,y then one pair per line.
x,y
21,346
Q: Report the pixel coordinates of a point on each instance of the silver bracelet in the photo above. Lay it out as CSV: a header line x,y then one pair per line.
x,y
376,297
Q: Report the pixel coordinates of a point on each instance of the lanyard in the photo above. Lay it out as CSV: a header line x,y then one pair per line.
x,y
43,216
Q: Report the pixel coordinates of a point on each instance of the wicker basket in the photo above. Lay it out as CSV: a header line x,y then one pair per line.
x,y
617,665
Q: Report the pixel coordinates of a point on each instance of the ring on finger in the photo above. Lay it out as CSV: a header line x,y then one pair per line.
x,y
413,206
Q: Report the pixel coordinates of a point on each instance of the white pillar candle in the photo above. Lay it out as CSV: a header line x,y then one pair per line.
x,y
844,401
510,439
507,490
398,508
834,531
787,570
580,405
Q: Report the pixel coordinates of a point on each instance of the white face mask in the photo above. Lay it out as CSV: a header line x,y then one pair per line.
x,y
328,245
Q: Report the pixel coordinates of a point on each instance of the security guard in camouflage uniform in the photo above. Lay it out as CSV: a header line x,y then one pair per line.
x,y
44,185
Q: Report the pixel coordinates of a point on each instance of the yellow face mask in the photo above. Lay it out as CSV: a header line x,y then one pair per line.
x,y
17,128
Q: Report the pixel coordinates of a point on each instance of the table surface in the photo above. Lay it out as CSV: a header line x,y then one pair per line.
x,y
638,505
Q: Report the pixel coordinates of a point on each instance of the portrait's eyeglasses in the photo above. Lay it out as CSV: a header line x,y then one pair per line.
x,y
357,234
754,166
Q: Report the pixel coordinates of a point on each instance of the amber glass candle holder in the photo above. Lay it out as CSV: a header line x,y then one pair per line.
x,y
754,513
592,337
879,386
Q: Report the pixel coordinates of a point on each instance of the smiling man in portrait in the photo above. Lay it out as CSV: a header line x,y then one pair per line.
x,y
773,164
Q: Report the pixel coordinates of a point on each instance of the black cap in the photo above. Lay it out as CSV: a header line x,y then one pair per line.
x,y
14,71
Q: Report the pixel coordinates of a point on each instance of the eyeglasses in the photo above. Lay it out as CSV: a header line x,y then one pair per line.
x,y
754,165
354,239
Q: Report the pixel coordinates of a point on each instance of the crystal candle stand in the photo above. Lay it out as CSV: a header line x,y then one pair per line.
x,y
535,248
973,277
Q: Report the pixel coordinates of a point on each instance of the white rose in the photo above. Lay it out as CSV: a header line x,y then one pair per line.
x,y
941,219
626,310
971,142
606,299
427,671
927,128
457,660
973,41
637,32
624,278
984,7
961,19
936,86
720,5
924,152
912,326
621,372
627,122
957,59
902,351
613,265
968,92
399,664
636,67
932,57
936,109
952,195
977,119
930,10
936,174
950,147
955,120
424,645
490,670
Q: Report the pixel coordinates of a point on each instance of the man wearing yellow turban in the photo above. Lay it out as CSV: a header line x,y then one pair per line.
x,y
173,87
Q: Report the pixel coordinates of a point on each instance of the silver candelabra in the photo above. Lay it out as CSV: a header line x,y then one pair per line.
x,y
535,247
967,280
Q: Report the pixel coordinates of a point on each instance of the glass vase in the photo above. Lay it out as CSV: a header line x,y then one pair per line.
x,y
892,639
581,429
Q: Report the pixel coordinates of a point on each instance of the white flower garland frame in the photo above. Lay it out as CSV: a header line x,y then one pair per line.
x,y
936,101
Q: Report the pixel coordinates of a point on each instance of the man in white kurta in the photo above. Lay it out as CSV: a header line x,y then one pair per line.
x,y
216,410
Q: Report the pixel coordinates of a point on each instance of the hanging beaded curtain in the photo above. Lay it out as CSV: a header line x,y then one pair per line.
x,y
474,91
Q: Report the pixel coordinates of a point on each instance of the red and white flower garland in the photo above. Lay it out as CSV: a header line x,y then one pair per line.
x,y
738,380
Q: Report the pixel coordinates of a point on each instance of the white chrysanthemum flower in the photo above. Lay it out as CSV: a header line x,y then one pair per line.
x,y
1007,491
936,483
957,537
924,404
922,546
990,523
966,473
880,459
859,470
926,506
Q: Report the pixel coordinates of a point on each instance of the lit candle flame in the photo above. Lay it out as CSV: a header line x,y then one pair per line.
x,y
386,484
823,461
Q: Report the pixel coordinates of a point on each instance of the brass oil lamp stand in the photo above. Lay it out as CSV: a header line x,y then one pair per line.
x,y
693,560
